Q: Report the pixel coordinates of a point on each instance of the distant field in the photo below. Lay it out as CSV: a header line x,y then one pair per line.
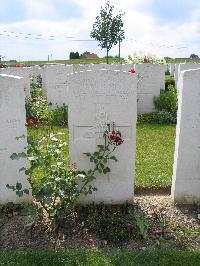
x,y
72,61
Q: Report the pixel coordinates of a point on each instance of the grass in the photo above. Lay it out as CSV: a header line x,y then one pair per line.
x,y
154,155
98,258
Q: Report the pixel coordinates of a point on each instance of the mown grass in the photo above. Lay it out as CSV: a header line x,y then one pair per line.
x,y
100,258
154,154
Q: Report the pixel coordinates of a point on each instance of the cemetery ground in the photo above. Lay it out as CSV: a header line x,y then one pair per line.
x,y
148,230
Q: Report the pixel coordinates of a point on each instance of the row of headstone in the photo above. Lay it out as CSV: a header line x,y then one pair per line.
x,y
102,97
55,83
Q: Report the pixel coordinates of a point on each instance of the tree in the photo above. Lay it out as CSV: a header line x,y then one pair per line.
x,y
107,29
73,55
193,56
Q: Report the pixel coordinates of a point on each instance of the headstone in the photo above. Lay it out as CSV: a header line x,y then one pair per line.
x,y
54,83
186,170
35,71
12,121
172,69
23,72
176,75
97,98
151,81
83,67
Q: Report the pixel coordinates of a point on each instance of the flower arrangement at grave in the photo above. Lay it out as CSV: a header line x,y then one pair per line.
x,y
60,185
141,57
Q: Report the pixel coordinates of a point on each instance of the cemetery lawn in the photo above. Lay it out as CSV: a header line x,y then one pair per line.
x,y
154,157
97,258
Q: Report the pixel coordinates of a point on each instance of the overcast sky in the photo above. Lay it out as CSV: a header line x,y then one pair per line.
x,y
32,29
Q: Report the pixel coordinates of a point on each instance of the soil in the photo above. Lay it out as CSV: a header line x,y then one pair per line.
x,y
169,225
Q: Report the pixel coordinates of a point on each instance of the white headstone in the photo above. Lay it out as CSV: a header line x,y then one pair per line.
x,y
54,83
151,81
12,121
186,171
23,72
176,75
83,67
97,98
172,69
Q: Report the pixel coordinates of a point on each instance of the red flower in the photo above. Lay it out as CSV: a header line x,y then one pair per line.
x,y
31,122
132,71
115,136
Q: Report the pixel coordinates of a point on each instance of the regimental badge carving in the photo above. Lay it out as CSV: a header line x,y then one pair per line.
x,y
101,121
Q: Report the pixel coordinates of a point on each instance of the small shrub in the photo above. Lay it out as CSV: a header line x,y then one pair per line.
x,y
61,185
164,117
59,116
167,101
169,81
36,105
158,117
147,118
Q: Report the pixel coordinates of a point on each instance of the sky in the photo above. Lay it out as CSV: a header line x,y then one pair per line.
x,y
34,29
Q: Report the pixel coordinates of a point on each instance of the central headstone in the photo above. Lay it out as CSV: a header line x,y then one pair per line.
x,y
98,98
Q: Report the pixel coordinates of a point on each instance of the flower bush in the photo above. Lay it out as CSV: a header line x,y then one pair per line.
x,y
60,186
37,108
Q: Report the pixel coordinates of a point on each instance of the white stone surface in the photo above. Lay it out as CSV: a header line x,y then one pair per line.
x,y
182,67
12,121
186,170
83,67
171,69
96,98
176,75
151,81
21,72
55,83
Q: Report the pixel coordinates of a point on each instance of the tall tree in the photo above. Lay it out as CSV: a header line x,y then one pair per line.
x,y
108,29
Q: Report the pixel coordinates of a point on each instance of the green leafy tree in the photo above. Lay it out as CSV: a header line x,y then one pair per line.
x,y
108,29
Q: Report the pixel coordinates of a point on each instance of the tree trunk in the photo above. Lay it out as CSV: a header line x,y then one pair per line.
x,y
107,56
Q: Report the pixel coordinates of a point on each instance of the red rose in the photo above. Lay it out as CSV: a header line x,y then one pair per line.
x,y
132,71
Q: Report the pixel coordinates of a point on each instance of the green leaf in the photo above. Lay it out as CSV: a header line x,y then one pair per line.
x,y
20,137
22,169
10,187
105,160
106,170
87,154
90,178
18,186
99,170
101,147
19,193
113,158
26,191
14,156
